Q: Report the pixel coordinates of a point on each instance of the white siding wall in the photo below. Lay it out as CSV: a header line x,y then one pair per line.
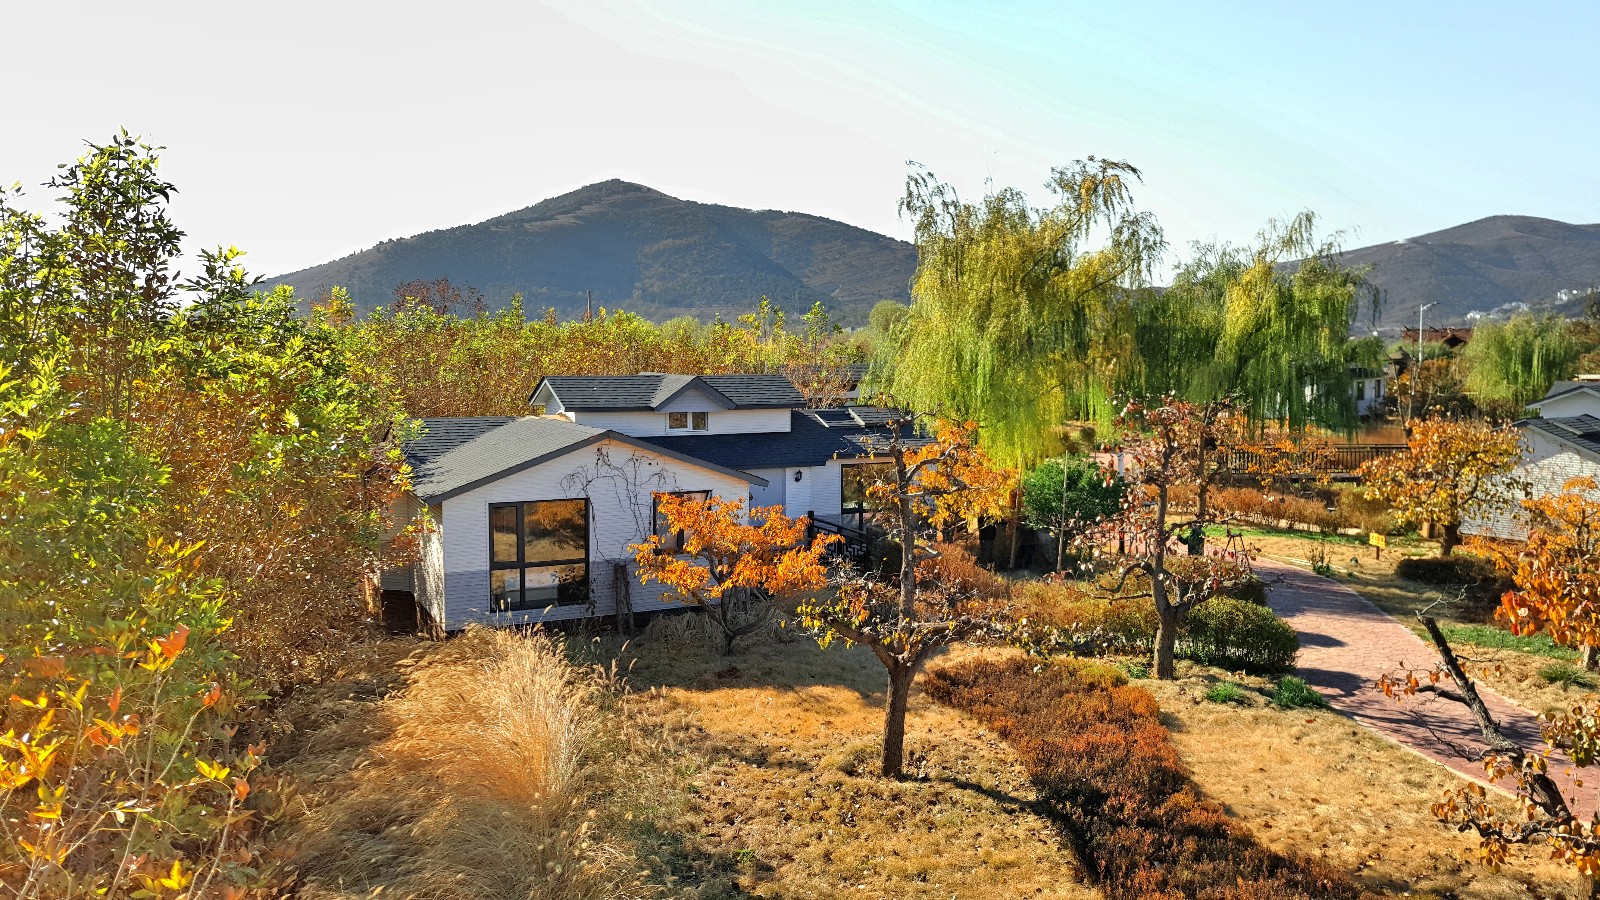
x,y
718,421
825,481
402,512
1578,403
429,577
613,525
797,499
1546,468
772,494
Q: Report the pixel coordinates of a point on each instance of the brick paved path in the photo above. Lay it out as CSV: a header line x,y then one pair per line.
x,y
1346,643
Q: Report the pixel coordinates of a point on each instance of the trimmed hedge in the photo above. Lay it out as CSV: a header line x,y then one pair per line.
x,y
1109,777
1461,568
1236,634
1225,631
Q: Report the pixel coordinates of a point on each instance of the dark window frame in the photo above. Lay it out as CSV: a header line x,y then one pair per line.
x,y
855,513
577,594
688,421
675,543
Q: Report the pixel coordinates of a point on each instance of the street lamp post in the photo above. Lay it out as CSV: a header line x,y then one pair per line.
x,y
1416,379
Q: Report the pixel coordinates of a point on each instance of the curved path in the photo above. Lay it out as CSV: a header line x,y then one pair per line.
x,y
1347,644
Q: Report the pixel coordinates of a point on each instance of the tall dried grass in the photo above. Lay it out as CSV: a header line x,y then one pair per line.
x,y
482,787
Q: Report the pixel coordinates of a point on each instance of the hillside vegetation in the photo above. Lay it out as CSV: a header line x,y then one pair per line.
x,y
637,248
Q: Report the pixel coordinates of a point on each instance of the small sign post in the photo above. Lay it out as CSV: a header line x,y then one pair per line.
x,y
1378,542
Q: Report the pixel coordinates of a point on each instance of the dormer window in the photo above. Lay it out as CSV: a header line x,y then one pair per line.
x,y
684,421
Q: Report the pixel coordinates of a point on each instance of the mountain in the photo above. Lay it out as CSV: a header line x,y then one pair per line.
x,y
638,249
1482,265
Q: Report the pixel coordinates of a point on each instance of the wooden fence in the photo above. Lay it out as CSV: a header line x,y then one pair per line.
x,y
1338,460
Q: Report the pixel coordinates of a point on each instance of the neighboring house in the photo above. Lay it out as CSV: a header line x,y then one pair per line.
x,y
1368,385
1366,388
530,518
1565,399
1558,449
1452,338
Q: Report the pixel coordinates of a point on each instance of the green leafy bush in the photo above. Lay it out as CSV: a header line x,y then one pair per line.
x,y
1568,674
1236,634
1110,778
1293,693
1229,632
1227,692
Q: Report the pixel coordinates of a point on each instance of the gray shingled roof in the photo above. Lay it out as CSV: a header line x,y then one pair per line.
x,y
518,444
651,390
440,436
513,446
1567,387
808,443
1582,433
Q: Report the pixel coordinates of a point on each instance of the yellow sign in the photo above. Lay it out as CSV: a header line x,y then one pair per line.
x,y
1377,540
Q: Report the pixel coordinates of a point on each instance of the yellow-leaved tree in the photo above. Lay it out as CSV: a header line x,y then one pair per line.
x,y
1558,573
1452,470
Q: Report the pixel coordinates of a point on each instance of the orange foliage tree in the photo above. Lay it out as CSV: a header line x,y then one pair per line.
x,y
1558,574
905,619
727,567
1451,471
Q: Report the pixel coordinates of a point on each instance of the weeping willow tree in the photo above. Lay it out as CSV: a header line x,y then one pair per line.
x,y
1511,364
1019,316
1269,325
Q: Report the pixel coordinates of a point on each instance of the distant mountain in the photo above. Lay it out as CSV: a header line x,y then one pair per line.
x,y
638,249
1480,266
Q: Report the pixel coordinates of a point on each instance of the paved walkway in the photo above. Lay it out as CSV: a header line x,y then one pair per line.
x,y
1346,644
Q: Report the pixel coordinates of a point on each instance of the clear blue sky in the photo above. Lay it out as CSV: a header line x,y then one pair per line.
x,y
306,131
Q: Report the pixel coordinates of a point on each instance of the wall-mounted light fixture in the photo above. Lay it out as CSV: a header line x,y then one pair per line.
x,y
798,473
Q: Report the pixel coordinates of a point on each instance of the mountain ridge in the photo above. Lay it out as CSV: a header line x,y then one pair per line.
x,y
636,248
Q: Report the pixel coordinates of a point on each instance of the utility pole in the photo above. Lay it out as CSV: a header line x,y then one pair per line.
x,y
1416,378
588,306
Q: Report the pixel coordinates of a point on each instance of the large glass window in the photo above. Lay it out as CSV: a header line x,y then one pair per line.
x,y
672,541
538,554
855,503
683,421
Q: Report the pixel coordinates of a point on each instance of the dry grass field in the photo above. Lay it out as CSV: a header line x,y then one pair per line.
x,y
1310,782
487,767
779,743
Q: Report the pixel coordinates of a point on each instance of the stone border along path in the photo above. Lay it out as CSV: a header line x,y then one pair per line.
x,y
1347,643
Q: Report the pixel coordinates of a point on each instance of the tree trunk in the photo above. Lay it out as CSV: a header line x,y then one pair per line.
x,y
1591,887
1449,539
1014,524
1591,657
1166,641
894,721
1542,789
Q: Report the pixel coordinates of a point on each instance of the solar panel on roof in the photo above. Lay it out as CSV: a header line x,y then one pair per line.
x,y
835,418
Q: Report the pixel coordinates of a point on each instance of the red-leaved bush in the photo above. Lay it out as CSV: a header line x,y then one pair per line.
x,y
1108,775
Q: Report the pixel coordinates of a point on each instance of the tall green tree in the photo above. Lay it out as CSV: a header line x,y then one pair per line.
x,y
1268,325
1511,364
1015,315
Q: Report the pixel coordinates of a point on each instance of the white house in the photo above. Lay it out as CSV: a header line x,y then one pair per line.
x,y
1558,449
530,518
1578,397
1368,386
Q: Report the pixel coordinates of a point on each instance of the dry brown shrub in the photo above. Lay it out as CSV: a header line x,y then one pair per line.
x,y
479,782
956,569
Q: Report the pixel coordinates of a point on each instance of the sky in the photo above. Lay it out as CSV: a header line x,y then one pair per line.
x,y
302,132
